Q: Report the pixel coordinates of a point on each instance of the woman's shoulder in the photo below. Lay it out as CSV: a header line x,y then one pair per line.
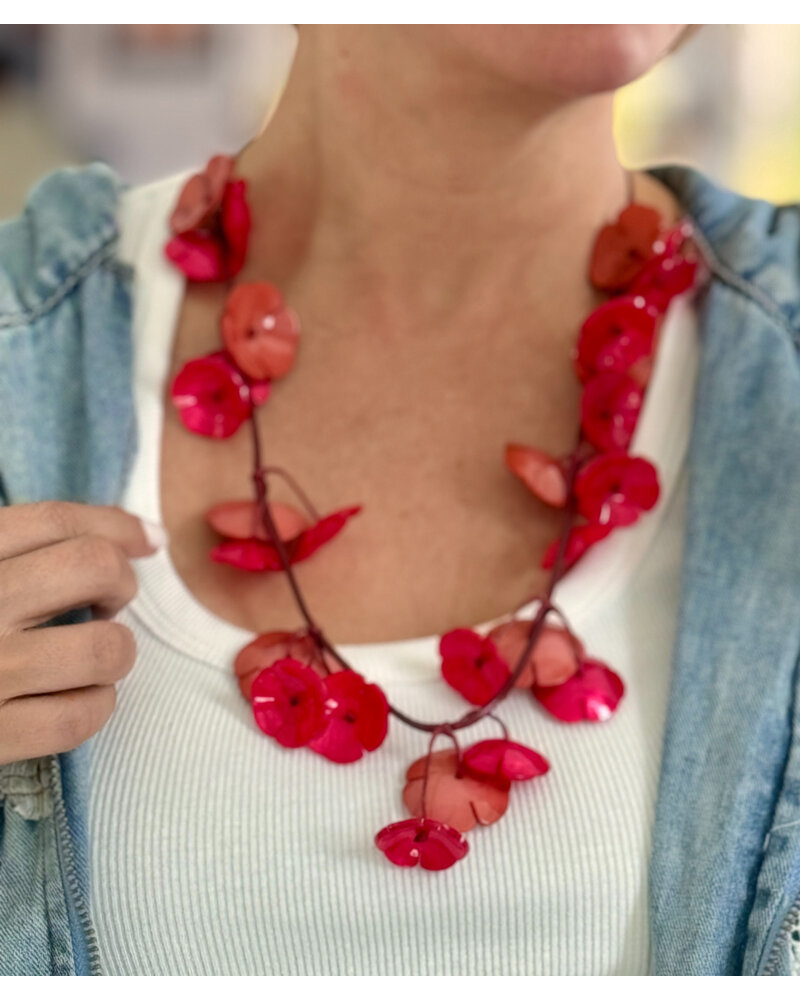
x,y
754,244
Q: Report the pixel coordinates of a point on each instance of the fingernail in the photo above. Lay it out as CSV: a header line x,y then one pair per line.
x,y
155,533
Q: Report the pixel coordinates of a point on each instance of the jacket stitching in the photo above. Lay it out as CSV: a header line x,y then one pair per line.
x,y
99,256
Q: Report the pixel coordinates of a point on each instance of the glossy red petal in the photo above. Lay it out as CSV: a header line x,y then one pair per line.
x,y
456,798
288,702
199,255
434,846
541,473
472,665
615,488
240,519
249,554
665,277
610,406
504,760
615,337
235,222
269,647
320,533
211,396
259,331
581,538
357,716
591,695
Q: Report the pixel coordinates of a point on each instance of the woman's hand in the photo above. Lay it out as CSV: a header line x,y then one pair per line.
x,y
57,683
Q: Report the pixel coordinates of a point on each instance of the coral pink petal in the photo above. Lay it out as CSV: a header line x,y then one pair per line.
x,y
259,331
459,800
540,472
434,846
240,519
265,650
591,695
552,660
504,760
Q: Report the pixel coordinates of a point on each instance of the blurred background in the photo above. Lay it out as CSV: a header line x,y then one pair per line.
x,y
153,99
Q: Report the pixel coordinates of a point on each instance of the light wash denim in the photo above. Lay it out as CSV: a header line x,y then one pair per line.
x,y
725,866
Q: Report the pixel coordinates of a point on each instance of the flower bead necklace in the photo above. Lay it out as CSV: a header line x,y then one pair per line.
x,y
302,691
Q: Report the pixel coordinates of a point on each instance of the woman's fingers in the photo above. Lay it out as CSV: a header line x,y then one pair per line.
x,y
42,661
29,526
42,724
81,571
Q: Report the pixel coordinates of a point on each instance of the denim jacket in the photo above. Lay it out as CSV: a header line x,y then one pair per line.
x,y
725,864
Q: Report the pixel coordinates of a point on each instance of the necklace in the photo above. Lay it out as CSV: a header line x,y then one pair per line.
x,y
302,691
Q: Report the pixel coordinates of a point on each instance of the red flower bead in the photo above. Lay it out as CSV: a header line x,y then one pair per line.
x,y
259,556
616,337
503,761
211,396
357,716
541,473
663,278
434,846
472,665
610,406
591,695
289,702
615,488
622,248
453,795
269,647
215,249
581,538
259,331
554,657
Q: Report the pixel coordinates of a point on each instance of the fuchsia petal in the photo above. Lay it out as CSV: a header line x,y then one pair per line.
x,y
615,488
504,760
665,277
610,406
249,554
235,222
357,716
288,702
581,538
541,473
615,337
211,396
472,665
434,846
320,533
198,254
453,796
591,695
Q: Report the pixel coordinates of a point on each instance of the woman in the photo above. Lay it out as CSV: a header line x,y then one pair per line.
x,y
426,199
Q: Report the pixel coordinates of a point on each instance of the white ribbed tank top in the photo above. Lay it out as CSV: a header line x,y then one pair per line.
x,y
215,851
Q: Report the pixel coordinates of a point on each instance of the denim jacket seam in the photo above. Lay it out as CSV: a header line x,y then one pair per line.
x,y
754,294
96,259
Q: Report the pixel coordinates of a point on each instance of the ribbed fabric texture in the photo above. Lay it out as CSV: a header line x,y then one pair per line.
x,y
215,851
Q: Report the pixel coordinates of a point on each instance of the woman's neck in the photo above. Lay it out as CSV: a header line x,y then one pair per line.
x,y
395,174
